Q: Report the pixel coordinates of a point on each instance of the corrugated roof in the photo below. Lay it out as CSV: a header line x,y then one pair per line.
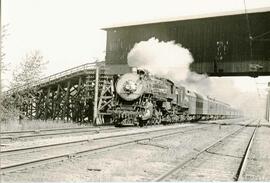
x,y
173,19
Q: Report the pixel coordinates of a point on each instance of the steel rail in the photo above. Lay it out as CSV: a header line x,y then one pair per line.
x,y
243,164
51,129
20,166
20,150
80,141
58,133
171,171
81,130
26,149
44,130
71,128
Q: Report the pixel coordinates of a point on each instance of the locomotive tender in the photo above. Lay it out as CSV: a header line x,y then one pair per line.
x,y
141,98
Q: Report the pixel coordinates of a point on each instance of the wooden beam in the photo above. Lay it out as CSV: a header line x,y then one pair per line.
x,y
66,102
96,96
57,105
78,113
47,102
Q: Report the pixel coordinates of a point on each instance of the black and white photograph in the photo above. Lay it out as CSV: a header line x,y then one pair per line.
x,y
134,91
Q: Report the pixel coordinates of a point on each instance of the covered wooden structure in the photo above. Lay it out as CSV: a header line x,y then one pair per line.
x,y
225,44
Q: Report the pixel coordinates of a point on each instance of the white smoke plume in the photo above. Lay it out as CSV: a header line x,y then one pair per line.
x,y
172,61
169,60
161,58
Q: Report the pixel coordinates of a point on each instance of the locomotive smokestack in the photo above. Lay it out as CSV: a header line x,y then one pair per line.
x,y
134,70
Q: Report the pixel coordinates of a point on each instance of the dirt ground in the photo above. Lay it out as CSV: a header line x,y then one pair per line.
x,y
219,163
258,166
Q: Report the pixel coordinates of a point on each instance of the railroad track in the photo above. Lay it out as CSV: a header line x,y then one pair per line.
x,y
26,134
16,135
229,122
205,158
27,149
95,143
44,130
243,165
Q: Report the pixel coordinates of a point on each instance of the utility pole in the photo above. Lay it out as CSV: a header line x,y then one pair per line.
x,y
267,103
1,50
0,70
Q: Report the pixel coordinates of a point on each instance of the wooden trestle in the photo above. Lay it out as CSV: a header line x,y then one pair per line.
x,y
69,95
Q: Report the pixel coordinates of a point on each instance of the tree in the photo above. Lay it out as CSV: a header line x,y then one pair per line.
x,y
3,34
2,54
30,70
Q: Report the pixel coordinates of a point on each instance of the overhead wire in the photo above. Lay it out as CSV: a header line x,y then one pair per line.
x,y
261,35
249,30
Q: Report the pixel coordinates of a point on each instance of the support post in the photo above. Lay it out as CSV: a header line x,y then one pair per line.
x,y
267,104
38,105
26,101
57,109
52,104
96,96
1,40
66,101
47,103
31,108
77,109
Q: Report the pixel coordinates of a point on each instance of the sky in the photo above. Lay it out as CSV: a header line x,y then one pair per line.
x,y
68,32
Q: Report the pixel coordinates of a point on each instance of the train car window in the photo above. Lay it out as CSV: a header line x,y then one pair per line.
x,y
121,43
200,105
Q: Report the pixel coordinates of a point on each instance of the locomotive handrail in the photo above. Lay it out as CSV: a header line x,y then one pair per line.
x,y
56,76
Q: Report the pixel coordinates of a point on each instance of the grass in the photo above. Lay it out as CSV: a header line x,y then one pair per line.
x,y
16,125
9,121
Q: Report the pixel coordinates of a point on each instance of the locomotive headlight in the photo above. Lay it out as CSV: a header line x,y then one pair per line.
x,y
130,86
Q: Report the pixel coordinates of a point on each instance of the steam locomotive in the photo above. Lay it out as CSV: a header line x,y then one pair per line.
x,y
145,99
